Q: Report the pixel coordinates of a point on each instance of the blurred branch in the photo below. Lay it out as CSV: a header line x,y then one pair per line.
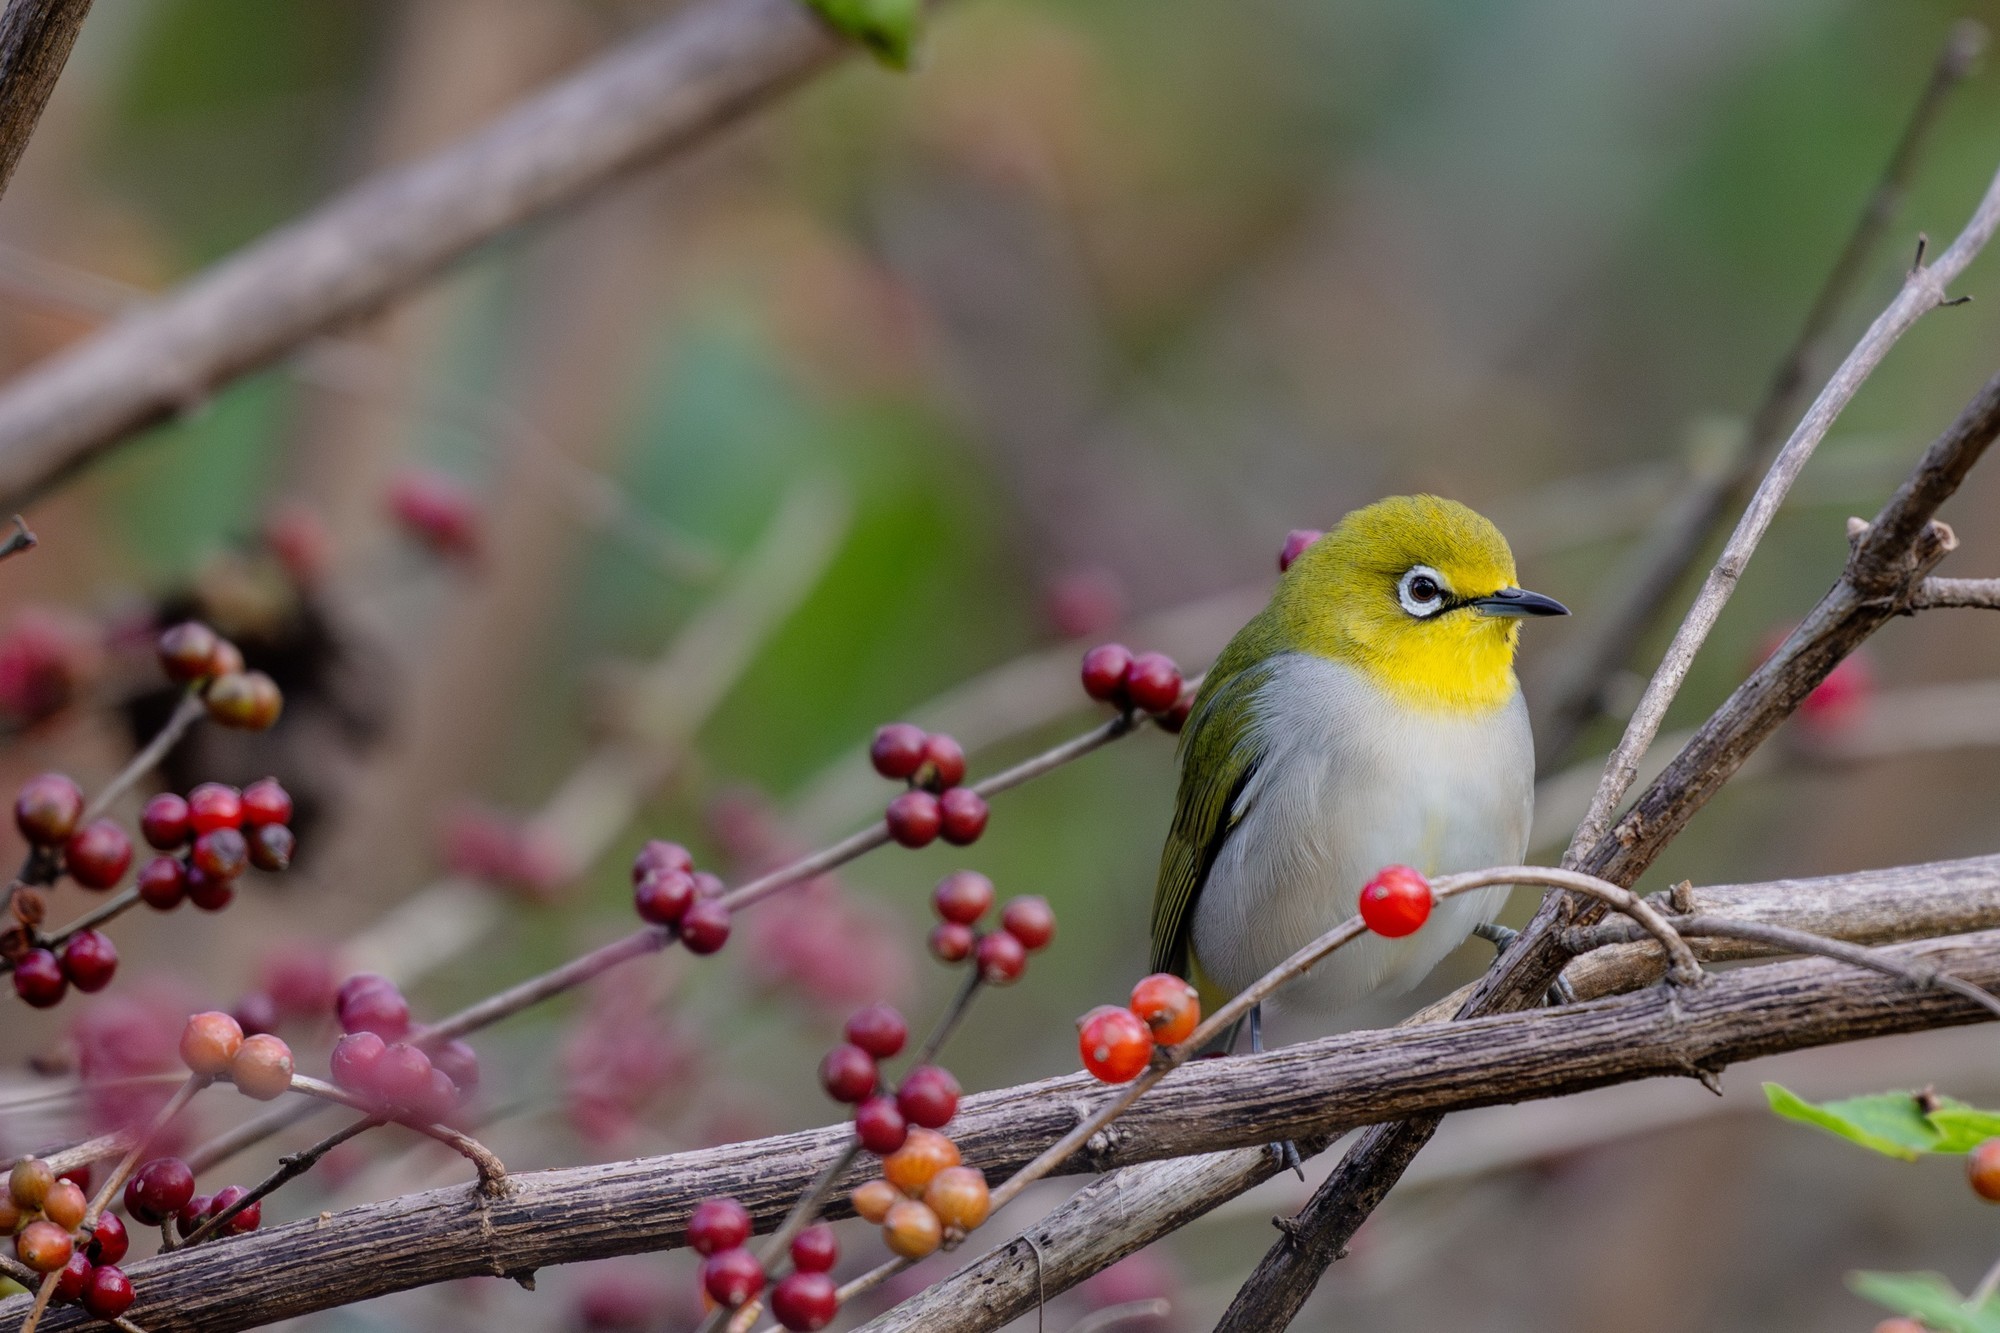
x,y
1645,583
19,540
35,41
678,84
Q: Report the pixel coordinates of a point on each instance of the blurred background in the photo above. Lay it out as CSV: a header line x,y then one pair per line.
x,y
638,523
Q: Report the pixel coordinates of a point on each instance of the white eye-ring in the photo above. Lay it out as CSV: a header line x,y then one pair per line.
x,y
1421,591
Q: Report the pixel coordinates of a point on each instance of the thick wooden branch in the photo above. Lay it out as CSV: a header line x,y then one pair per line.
x,y
35,41
672,87
1310,1092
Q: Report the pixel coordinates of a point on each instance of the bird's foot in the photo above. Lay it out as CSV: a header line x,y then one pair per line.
x,y
1288,1157
1499,936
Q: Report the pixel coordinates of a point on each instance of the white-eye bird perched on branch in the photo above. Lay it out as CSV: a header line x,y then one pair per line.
x,y
1369,716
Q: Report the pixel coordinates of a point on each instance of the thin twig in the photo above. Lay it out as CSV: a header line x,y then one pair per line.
x,y
1935,593
492,1172
186,713
290,1168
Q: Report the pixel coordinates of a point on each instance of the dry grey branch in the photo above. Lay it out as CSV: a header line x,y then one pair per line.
x,y
35,41
1935,593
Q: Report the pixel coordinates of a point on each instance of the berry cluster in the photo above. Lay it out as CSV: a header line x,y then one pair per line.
x,y
193,654
1146,683
925,1191
1117,1044
935,805
668,891
47,810
376,1064
805,1299
219,832
44,1213
960,900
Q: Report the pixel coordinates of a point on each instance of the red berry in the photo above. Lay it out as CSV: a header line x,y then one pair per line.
x,y
213,805
460,1064
245,1221
1001,957
403,1077
88,960
370,1003
1174,720
1154,682
98,855
1115,1043
732,1277
39,979
109,1242
705,928
952,942
1396,902
914,818
928,1096
962,816
805,1301
108,1294
663,896
897,751
1104,669
164,822
1030,920
355,1059
47,809
158,1190
880,1125
1296,542
848,1073
265,802
717,1225
963,896
221,853
271,847
1982,1170
163,883
196,1211
75,1275
437,510
1168,1006
206,891
44,1246
187,651
946,759
878,1030
815,1250
657,856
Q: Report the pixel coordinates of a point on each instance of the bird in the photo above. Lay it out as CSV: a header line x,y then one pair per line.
x,y
1368,716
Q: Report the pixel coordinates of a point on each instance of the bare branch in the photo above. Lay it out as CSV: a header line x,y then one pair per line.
x,y
1934,593
35,41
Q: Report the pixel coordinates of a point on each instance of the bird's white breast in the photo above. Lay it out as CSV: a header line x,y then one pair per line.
x,y
1353,780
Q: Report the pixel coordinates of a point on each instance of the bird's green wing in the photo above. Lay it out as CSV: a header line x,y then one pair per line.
x,y
1219,754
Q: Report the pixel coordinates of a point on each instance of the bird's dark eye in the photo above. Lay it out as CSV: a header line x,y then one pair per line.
x,y
1423,588
1421,591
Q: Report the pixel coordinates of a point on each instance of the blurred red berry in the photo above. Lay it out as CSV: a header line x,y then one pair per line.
x,y
963,896
914,818
1395,902
928,1096
1104,670
460,1064
299,540
1084,601
206,891
805,1301
1174,720
256,1013
214,805
878,1030
1115,1043
158,1190
244,700
1001,958
300,978
717,1225
438,511
1296,542
732,1277
164,823
162,883
1030,920
48,659
658,856
187,651
1842,699
88,960
880,1125
39,979
1982,1170
266,802
47,809
354,1061
848,1073
946,760
271,847
1153,683
897,751
221,853
952,941
962,816
705,926
370,1003
663,896
815,1250
98,854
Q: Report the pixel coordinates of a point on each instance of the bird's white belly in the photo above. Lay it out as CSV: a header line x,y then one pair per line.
x,y
1352,781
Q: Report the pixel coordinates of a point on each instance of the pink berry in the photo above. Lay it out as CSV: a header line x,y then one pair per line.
x,y
717,1225
705,927
1001,958
437,510
370,1003
962,816
355,1059
1153,683
187,651
880,1125
265,802
659,856
1104,669
98,855
663,897
897,750
88,960
914,818
403,1076
878,1030
1030,920
848,1073
1296,542
460,1064
928,1096
39,979
164,822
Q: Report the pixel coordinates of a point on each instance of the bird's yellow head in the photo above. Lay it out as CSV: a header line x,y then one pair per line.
x,y
1417,592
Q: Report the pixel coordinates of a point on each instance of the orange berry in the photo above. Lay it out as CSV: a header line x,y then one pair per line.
x,y
911,1230
873,1199
29,1182
1982,1170
1171,1007
959,1197
923,1154
46,1247
209,1042
65,1204
10,1214
262,1067
1115,1043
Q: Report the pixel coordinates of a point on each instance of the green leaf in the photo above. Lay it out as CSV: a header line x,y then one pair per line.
x,y
886,27
1928,1298
1888,1122
1962,1128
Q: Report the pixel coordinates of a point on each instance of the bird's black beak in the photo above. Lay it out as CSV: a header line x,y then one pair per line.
x,y
1515,603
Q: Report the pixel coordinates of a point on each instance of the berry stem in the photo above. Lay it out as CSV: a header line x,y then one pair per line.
x,y
492,1172
948,1022
116,1180
290,1167
872,1279
186,713
1984,1291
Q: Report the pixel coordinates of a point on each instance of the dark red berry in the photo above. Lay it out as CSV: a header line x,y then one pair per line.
x,y
1001,958
1174,720
256,1013
928,1096
265,802
1030,920
271,847
370,1003
878,1030
109,1243
880,1125
1104,669
805,1301
1296,542
962,816
946,760
848,1073
47,809
245,700
658,855
158,1190
897,750
460,1064
914,818
187,651
98,854
717,1225
75,1276
213,805
1153,683
221,853
705,927
163,883
88,960
963,896
952,942
198,1210
815,1250
663,896
245,1220
164,823
108,1294
39,979
206,891
355,1059
732,1277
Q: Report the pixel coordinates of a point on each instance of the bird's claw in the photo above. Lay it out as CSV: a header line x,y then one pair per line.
x,y
1288,1157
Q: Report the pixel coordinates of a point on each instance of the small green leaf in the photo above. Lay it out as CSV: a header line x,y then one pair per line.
x,y
1962,1128
1928,1298
886,27
1888,1122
